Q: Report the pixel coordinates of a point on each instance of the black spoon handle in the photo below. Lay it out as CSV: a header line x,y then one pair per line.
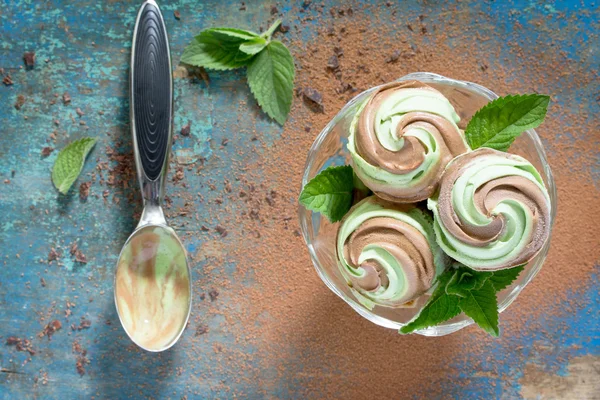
x,y
151,99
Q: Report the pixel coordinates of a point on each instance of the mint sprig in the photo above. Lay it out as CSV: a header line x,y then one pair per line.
x,y
464,280
463,289
500,122
440,307
330,192
69,163
270,66
481,306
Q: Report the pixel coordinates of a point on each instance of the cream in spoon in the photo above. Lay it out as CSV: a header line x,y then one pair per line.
x,y
152,287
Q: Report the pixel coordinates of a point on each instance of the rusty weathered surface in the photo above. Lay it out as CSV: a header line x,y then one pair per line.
x,y
82,48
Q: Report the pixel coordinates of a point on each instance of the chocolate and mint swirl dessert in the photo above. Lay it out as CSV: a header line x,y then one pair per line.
x,y
493,210
387,253
402,139
489,212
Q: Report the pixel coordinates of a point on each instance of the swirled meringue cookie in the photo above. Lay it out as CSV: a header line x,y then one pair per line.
x,y
401,140
387,253
493,210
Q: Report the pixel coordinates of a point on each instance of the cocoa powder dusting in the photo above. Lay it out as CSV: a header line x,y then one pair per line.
x,y
297,325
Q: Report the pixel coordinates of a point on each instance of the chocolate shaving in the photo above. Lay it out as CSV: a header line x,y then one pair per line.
x,y
20,101
185,131
221,231
313,99
51,328
392,58
12,340
201,329
66,98
29,58
46,151
333,63
20,344
178,175
53,255
84,324
80,257
84,190
82,359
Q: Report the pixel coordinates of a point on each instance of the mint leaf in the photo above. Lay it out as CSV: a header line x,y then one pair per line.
x,y
437,310
209,51
330,192
500,122
69,163
440,307
253,46
270,65
231,35
271,79
482,307
465,279
503,278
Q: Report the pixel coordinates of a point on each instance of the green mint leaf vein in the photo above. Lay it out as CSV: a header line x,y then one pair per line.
x,y
501,279
271,78
330,192
501,121
481,306
465,279
440,307
69,163
231,35
210,51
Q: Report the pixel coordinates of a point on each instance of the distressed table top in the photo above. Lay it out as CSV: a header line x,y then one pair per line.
x,y
82,48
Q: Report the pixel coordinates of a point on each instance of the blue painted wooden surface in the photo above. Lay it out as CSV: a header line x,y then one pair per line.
x,y
87,47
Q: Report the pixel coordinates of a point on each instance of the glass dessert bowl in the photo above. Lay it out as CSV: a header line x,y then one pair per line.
x,y
329,149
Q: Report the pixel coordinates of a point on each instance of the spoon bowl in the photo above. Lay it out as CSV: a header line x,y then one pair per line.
x,y
153,287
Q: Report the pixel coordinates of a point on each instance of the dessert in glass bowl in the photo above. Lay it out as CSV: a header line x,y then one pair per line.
x,y
428,204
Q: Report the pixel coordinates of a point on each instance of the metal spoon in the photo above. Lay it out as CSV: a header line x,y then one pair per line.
x,y
152,278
